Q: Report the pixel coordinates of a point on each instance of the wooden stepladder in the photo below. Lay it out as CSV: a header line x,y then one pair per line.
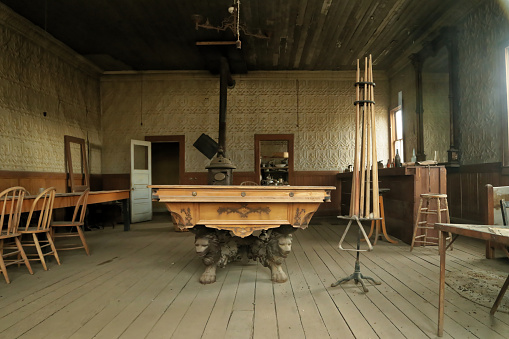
x,y
364,200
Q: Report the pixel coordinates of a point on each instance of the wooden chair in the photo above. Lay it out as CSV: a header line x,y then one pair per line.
x,y
494,197
76,222
503,208
248,183
37,227
11,203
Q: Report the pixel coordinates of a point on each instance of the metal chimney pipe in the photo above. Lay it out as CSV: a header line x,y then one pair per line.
x,y
221,168
226,81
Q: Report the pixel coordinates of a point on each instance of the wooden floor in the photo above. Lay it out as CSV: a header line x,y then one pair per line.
x,y
144,284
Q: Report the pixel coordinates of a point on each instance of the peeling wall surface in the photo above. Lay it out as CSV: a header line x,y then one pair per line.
x,y
46,91
317,107
436,117
483,37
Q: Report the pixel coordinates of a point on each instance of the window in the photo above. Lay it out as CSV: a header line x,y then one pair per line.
x,y
397,132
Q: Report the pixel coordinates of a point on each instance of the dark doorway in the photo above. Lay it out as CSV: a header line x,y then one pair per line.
x,y
165,167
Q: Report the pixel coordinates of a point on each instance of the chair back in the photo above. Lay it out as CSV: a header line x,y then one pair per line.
x,y
81,206
491,204
11,204
503,207
43,203
248,183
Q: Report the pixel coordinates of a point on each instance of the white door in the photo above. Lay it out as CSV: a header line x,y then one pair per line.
x,y
141,177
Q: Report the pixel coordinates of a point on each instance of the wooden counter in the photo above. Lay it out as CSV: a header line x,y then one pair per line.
x,y
406,184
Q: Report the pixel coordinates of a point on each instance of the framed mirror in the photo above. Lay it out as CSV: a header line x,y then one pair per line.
x,y
274,159
76,162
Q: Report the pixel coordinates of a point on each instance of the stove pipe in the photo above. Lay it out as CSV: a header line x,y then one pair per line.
x,y
220,167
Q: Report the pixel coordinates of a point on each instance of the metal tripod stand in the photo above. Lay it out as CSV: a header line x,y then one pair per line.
x,y
357,276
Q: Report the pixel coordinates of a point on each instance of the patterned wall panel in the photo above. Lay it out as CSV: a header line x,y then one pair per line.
x,y
482,40
436,115
38,74
317,107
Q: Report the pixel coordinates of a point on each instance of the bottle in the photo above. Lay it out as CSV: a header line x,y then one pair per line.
x,y
414,159
397,160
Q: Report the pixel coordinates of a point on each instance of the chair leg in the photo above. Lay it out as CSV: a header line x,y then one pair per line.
x,y
23,255
382,222
416,226
2,263
448,220
372,228
39,251
426,215
53,248
500,296
83,241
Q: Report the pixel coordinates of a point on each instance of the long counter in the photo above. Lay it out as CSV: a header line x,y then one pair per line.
x,y
401,202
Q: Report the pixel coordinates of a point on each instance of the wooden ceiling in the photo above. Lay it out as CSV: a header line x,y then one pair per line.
x,y
303,34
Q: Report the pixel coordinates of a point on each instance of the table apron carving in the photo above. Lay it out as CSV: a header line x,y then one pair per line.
x,y
241,218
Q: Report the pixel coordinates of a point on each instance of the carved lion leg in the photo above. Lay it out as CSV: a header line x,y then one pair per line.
x,y
209,276
278,275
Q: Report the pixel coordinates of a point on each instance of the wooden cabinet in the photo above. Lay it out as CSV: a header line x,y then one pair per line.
x,y
401,203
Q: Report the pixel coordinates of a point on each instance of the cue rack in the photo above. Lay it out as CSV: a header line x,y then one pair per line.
x,y
364,199
365,195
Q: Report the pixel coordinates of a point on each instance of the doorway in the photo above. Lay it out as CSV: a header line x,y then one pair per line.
x,y
167,163
165,167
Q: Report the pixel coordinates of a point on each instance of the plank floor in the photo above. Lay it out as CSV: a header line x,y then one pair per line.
x,y
144,284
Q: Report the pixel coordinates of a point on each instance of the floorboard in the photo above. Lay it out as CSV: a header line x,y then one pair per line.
x,y
145,284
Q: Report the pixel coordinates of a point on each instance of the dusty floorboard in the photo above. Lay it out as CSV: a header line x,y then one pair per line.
x,y
144,284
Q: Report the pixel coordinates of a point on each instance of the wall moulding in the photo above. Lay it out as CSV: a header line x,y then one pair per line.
x,y
33,180
251,76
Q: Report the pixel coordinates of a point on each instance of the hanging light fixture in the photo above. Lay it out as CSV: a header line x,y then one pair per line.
x,y
232,23
238,43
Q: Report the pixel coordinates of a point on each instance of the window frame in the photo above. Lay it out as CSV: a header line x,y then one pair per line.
x,y
393,133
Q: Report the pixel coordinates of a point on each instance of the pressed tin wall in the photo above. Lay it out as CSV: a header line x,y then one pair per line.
x,y
46,91
483,37
317,107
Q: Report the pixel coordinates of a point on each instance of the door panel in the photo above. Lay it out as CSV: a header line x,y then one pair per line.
x,y
141,177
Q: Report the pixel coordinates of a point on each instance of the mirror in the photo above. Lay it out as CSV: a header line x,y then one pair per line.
x,y
76,161
274,159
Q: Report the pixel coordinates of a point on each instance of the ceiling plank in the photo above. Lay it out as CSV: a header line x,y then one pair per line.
x,y
311,13
339,16
313,46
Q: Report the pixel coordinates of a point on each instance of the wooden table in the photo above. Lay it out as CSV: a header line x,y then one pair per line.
x,y
241,209
486,232
95,197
